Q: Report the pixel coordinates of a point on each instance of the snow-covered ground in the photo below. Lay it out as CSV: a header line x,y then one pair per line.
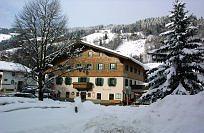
x,y
152,65
95,37
173,114
4,37
132,48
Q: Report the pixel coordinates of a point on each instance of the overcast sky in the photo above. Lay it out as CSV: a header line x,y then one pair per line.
x,y
94,12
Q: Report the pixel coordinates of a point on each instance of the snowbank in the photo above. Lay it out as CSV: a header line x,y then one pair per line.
x,y
4,37
173,114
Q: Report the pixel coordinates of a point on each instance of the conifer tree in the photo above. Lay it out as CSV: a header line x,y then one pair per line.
x,y
182,70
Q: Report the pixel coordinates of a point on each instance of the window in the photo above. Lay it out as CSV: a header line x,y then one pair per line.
x,y
118,96
5,79
100,54
69,68
135,70
135,82
83,79
126,67
139,72
112,81
89,66
131,69
59,80
13,74
68,81
90,54
99,96
12,82
111,96
126,82
130,82
77,94
78,65
100,67
99,81
89,94
112,66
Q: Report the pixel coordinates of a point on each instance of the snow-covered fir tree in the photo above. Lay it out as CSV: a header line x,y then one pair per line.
x,y
182,70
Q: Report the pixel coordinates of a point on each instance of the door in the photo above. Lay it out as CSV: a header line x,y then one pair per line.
x,y
83,96
20,86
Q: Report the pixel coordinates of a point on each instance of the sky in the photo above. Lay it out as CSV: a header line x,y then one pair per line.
x,y
83,13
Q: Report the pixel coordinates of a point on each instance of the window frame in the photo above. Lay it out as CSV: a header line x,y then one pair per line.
x,y
83,81
126,82
110,97
126,68
69,82
99,82
97,96
118,95
58,80
100,66
110,83
111,67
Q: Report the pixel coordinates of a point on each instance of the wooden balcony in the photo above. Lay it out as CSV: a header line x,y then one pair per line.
x,y
82,86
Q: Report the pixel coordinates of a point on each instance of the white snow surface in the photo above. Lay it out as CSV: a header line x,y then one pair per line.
x,y
152,65
132,48
4,37
173,114
10,66
95,37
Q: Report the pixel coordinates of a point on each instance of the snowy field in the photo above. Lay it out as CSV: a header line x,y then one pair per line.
x,y
174,114
132,48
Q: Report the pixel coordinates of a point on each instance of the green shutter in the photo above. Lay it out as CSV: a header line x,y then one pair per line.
x,y
115,81
87,79
68,81
59,80
102,81
109,82
79,79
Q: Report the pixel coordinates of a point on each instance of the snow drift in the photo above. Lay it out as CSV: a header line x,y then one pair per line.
x,y
173,114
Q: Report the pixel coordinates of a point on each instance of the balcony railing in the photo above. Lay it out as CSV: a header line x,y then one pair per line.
x,y
82,86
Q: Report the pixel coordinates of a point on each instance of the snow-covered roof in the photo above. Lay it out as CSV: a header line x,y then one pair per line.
x,y
115,53
14,67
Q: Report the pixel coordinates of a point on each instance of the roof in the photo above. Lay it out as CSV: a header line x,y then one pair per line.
x,y
117,53
14,67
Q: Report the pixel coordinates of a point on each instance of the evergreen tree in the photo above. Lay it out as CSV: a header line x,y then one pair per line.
x,y
182,71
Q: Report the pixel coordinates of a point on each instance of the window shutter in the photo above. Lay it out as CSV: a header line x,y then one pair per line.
x,y
109,82
115,81
79,79
87,79
59,80
102,81
68,81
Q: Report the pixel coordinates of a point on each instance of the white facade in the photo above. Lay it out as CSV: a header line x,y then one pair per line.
x,y
13,77
105,90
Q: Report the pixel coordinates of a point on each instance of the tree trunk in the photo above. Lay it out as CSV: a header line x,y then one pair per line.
x,y
40,87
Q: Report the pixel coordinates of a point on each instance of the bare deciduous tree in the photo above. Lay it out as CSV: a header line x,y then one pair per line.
x,y
42,27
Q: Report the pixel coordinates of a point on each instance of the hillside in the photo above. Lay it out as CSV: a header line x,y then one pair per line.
x,y
132,48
